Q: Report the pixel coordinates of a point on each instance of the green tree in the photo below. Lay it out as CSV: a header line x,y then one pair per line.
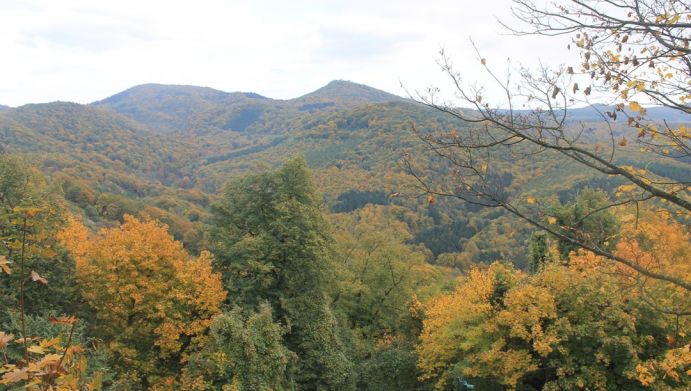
x,y
380,277
244,351
538,251
272,245
588,220
30,214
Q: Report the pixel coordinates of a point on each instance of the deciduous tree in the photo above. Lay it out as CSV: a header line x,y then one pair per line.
x,y
633,52
272,245
153,301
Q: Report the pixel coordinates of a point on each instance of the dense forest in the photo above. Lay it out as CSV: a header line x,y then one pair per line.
x,y
183,238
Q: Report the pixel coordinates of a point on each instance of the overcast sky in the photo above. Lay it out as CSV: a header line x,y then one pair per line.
x,y
87,50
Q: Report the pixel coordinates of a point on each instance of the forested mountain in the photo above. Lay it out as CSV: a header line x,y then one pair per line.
x,y
372,243
174,147
166,108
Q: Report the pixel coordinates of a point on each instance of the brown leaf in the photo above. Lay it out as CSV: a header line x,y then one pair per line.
x,y
15,376
4,265
671,340
37,278
5,339
623,142
555,92
68,320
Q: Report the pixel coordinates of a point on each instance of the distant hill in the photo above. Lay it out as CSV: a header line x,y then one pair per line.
x,y
342,91
167,108
3,107
596,113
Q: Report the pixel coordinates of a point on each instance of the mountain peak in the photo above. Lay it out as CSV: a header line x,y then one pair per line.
x,y
344,91
165,91
168,107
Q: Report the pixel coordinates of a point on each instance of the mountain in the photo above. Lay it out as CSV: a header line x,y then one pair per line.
x,y
180,108
166,151
167,108
3,107
342,91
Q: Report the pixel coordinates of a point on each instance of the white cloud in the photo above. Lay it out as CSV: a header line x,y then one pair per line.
x,y
83,50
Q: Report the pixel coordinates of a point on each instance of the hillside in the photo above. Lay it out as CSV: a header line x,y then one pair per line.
x,y
174,148
99,136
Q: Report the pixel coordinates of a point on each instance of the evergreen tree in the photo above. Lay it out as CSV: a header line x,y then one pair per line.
x,y
272,245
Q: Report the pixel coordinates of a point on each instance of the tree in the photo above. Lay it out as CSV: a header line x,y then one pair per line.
x,y
243,351
153,302
633,51
566,327
587,219
380,278
538,251
30,213
272,245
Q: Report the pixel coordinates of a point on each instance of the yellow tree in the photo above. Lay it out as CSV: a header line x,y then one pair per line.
x,y
153,302
567,327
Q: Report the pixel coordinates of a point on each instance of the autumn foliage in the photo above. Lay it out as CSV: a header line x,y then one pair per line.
x,y
153,301
585,325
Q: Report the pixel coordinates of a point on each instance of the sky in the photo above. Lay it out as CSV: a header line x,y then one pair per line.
x,y
85,50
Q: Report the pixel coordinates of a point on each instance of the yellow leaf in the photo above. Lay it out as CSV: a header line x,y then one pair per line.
x,y
635,106
531,200
36,349
552,220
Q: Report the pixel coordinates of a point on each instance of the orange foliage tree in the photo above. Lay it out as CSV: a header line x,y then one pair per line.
x,y
153,302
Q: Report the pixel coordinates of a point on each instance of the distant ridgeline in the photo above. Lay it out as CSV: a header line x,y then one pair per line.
x,y
167,150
